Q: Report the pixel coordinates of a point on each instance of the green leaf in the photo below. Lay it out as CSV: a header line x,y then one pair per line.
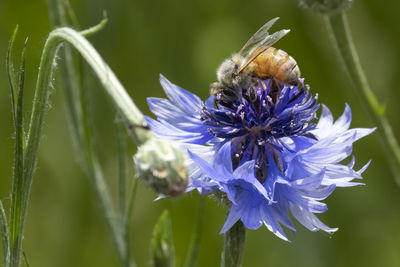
x,y
11,73
19,194
4,234
95,28
162,248
26,259
20,133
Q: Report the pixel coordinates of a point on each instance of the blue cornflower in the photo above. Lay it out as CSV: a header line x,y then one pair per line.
x,y
263,149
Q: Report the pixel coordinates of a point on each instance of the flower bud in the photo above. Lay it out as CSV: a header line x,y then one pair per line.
x,y
328,7
161,165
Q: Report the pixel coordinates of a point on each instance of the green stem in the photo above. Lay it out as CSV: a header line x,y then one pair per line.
x,y
339,27
232,251
125,105
77,107
121,99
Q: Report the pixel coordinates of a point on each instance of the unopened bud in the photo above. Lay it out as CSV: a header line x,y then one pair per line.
x,y
161,165
328,7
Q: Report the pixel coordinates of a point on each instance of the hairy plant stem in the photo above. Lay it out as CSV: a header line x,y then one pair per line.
x,y
128,110
232,251
340,30
77,106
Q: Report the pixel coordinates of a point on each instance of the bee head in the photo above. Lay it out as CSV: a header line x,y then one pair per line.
x,y
227,72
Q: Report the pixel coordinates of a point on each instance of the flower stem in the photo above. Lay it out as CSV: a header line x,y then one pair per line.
x,y
340,30
123,102
77,107
234,241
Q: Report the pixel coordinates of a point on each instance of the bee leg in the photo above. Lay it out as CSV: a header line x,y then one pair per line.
x,y
215,88
274,90
275,84
252,94
230,93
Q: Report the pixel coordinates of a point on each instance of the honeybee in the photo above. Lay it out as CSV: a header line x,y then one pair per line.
x,y
257,59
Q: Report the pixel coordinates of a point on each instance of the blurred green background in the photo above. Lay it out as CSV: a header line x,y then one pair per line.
x,y
186,40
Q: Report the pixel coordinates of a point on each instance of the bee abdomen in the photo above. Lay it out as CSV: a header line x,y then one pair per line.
x,y
278,64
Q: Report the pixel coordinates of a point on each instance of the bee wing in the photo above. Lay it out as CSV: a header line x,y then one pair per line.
x,y
261,46
260,35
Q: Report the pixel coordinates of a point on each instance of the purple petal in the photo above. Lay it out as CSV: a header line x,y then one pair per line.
x,y
309,220
233,217
166,111
251,217
272,224
206,168
223,161
165,130
185,100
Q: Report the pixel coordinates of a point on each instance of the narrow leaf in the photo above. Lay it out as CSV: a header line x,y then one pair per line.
x,y
4,234
19,196
26,259
96,28
162,248
10,71
20,104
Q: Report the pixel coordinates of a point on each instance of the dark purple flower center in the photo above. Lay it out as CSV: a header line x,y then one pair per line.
x,y
259,117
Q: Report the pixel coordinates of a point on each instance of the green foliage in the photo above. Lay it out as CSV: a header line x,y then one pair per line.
x,y
20,192
4,235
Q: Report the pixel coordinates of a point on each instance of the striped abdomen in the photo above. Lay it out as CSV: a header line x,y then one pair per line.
x,y
275,63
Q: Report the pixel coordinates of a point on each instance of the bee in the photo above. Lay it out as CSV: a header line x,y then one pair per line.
x,y
256,60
